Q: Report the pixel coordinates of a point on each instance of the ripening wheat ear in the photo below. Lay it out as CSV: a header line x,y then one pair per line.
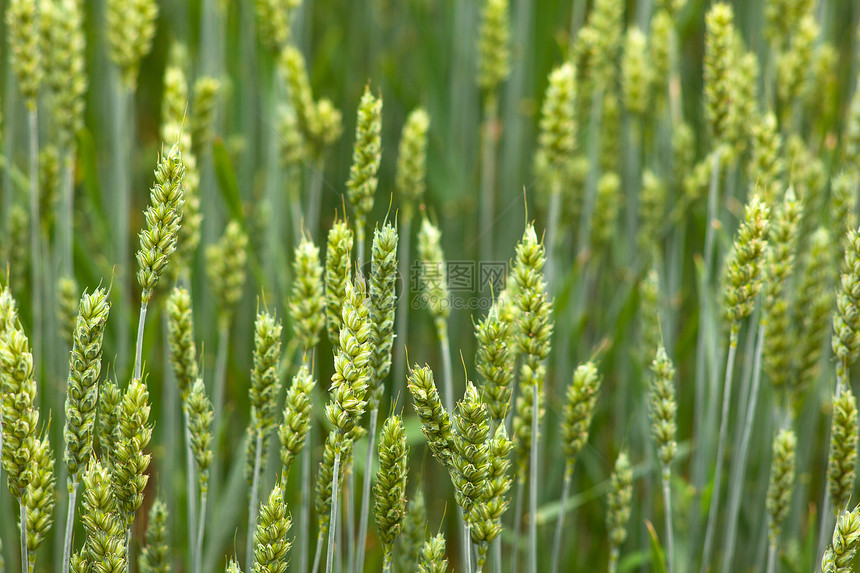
x,y
129,469
265,386
578,411
180,338
307,302
486,521
19,413
338,270
495,358
435,420
158,239
839,556
130,29
433,558
40,496
390,488
198,433
270,539
104,525
620,499
155,554
780,490
366,156
293,431
82,396
841,467
846,319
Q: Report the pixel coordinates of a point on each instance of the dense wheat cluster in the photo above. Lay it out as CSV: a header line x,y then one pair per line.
x,y
583,294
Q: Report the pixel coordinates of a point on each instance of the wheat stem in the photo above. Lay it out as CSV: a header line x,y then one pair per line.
x,y
329,558
710,531
25,560
191,484
35,232
489,145
70,523
402,318
201,528
252,505
305,512
314,195
138,347
562,513
518,521
348,532
365,497
533,480
447,372
739,465
667,503
317,553
67,228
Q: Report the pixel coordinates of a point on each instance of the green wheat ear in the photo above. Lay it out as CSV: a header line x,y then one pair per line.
x,y
198,408
383,302
18,399
434,282
274,18
582,397
663,408
105,527
40,496
82,387
620,499
337,275
307,300
293,431
744,263
435,420
841,466
66,52
366,157
133,430
271,545
155,554
494,38
557,139
22,18
163,219
390,487
130,30
846,320
322,499
265,383
470,461
414,532
412,160
486,524
782,470
635,72
180,339
225,268
719,52
433,556
205,97
496,358
839,556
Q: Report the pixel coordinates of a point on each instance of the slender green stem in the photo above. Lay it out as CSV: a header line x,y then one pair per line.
x,y
739,463
252,504
332,524
826,507
552,233
721,446
359,241
489,144
386,561
667,503
445,348
314,195
497,555
518,521
467,549
201,529
305,511
67,237
562,513
128,550
365,495
348,532
70,523
219,387
191,484
35,234
613,559
402,319
713,201
25,560
317,553
533,480
123,141
771,558
138,347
